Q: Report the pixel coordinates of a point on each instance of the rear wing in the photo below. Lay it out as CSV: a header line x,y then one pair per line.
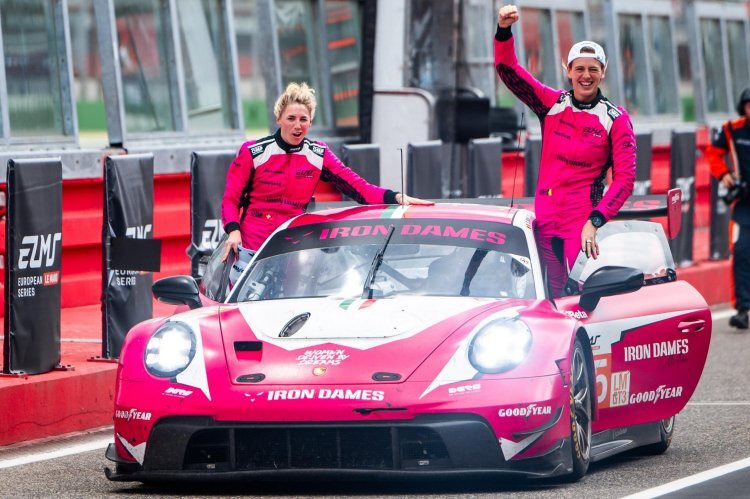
x,y
635,207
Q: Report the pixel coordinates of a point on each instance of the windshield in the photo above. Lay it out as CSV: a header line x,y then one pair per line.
x,y
442,258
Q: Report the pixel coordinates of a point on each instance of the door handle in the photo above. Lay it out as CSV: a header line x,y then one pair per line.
x,y
691,326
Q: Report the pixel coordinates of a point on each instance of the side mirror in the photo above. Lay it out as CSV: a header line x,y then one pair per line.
x,y
178,290
608,281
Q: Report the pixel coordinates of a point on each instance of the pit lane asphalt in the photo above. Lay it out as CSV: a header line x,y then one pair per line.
x,y
713,430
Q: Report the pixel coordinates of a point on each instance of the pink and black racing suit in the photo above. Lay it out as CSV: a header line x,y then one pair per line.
x,y
271,181
580,141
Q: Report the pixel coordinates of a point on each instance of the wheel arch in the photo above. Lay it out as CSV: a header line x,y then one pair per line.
x,y
582,335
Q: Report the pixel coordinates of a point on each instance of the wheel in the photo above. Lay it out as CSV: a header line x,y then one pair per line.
x,y
666,431
581,411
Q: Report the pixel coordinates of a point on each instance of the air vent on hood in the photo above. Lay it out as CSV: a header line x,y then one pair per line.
x,y
251,378
386,376
294,325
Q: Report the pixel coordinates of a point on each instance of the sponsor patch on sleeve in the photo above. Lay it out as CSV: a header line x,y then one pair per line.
x,y
613,112
318,149
257,150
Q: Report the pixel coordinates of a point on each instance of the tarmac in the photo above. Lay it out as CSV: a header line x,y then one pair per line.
x,y
80,396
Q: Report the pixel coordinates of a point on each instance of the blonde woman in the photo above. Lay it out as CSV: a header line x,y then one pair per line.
x,y
272,179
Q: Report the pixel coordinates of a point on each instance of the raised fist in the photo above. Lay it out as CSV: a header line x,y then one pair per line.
x,y
507,15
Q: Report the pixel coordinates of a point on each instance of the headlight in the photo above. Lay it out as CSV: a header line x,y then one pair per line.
x,y
170,349
500,346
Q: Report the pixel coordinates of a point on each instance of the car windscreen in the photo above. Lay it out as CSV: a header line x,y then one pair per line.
x,y
379,258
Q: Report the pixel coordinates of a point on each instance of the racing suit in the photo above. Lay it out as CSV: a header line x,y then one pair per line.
x,y
271,181
580,141
734,138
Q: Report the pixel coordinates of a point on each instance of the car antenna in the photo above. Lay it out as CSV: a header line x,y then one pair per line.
x,y
401,151
518,153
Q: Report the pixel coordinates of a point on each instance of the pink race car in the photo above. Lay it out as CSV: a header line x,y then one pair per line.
x,y
411,341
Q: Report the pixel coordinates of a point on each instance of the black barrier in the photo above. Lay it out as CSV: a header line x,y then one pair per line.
x,y
485,166
533,158
208,177
127,264
364,160
33,239
462,115
721,214
643,143
427,169
682,174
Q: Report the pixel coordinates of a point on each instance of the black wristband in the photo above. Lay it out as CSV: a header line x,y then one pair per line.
x,y
390,197
503,34
231,226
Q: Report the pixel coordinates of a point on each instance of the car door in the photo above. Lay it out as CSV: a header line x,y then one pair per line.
x,y
649,346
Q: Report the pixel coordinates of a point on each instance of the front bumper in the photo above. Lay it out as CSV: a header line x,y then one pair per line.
x,y
200,448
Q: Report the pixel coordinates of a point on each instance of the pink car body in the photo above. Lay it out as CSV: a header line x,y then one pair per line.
x,y
395,380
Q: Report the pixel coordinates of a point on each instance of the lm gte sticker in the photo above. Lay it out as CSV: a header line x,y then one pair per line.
x,y
613,388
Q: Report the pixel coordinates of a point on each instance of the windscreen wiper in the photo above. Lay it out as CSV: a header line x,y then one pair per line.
x,y
471,270
376,262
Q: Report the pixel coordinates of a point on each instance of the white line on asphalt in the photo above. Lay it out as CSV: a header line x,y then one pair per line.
x,y
691,480
725,313
69,451
726,404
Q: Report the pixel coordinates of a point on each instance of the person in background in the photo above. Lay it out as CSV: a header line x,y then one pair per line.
x,y
273,179
583,135
734,139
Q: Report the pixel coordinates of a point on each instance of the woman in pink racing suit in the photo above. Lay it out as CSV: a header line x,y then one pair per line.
x,y
583,134
273,179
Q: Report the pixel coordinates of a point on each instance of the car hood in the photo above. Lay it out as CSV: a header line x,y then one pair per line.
x,y
339,341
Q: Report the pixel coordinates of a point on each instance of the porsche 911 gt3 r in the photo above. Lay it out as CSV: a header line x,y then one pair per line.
x,y
411,341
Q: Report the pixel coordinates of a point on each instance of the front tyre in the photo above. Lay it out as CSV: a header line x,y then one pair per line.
x,y
581,411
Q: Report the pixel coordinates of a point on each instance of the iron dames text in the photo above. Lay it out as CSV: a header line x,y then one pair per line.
x,y
416,230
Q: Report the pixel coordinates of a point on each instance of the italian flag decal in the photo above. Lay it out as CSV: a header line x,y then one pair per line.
x,y
356,303
394,211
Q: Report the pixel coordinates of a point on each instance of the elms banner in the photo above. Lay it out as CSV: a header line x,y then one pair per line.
x,y
130,254
33,235
208,177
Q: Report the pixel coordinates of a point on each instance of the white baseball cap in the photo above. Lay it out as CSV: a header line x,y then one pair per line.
x,y
594,50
